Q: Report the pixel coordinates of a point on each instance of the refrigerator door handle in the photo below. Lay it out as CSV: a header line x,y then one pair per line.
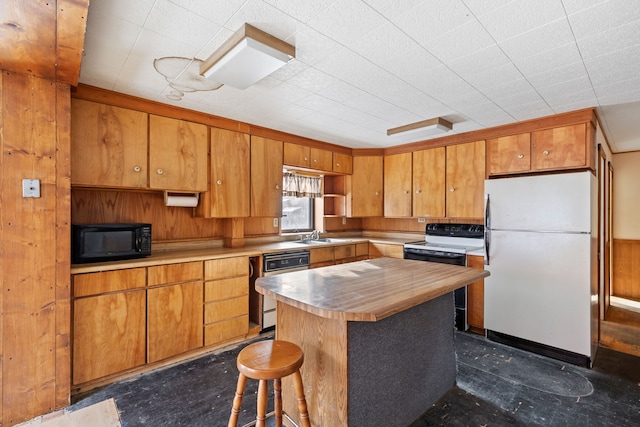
x,y
487,228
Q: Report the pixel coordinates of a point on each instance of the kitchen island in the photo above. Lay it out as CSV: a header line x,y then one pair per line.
x,y
377,335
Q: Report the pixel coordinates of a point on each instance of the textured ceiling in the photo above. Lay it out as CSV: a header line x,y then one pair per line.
x,y
364,66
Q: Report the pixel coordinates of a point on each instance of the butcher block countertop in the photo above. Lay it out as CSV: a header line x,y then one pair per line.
x,y
366,290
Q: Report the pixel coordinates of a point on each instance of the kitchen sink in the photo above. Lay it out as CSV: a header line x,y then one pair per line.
x,y
320,241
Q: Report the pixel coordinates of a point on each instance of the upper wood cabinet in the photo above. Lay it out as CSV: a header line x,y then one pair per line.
x,y
307,157
177,155
560,148
108,145
429,182
509,154
365,187
397,185
565,147
465,180
342,163
230,175
266,177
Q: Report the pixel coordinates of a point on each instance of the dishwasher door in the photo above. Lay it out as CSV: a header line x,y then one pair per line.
x,y
269,304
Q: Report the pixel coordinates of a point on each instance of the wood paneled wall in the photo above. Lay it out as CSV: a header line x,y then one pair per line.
x,y
626,269
34,254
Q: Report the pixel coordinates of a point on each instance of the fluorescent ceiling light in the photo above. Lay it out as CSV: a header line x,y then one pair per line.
x,y
247,57
422,129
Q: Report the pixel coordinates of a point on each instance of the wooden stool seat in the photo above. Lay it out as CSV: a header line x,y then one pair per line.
x,y
270,360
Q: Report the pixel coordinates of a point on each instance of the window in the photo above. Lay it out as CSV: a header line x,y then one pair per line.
x,y
297,214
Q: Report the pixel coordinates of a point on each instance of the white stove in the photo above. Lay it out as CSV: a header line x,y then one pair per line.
x,y
453,238
449,244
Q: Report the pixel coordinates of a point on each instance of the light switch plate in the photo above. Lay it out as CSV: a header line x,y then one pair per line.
x,y
275,222
31,188
421,219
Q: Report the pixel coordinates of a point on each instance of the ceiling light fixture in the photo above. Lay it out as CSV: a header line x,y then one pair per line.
x,y
422,129
247,57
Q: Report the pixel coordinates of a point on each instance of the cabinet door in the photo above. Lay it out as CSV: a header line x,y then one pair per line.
x,y
475,296
296,155
342,163
266,177
559,148
177,155
465,180
365,187
397,185
509,154
230,174
320,159
429,182
174,319
108,334
109,145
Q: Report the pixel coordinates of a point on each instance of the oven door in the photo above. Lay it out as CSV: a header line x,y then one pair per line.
x,y
459,295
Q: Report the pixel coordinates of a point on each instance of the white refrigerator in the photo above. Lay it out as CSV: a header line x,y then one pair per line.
x,y
539,242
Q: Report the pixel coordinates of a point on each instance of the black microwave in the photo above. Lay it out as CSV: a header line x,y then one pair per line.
x,y
109,242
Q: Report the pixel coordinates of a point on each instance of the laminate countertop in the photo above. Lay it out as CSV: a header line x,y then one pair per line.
x,y
366,290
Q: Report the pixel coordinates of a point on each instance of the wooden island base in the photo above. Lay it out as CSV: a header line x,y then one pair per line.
x,y
386,373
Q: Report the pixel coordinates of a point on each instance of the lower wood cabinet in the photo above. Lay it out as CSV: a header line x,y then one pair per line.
x,y
475,297
226,299
109,323
108,334
174,319
378,250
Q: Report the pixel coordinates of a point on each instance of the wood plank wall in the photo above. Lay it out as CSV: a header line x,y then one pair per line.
x,y
626,269
35,273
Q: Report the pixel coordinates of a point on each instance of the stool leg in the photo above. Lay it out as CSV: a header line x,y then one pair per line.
x,y
237,401
277,401
262,403
302,402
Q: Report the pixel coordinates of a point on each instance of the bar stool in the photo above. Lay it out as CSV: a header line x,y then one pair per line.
x,y
270,360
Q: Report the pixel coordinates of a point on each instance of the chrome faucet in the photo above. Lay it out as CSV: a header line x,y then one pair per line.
x,y
314,235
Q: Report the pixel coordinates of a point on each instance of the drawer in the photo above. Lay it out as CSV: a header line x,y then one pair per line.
x,y
226,309
226,288
175,273
362,250
108,281
321,255
223,331
226,267
344,252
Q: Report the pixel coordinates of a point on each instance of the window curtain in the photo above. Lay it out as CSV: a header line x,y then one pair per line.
x,y
295,185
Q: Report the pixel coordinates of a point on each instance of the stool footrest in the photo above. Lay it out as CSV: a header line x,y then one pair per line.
x,y
271,414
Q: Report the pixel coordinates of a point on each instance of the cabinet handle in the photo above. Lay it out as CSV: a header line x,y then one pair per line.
x,y
406,192
160,171
377,193
452,189
306,158
219,182
418,191
137,169
338,165
545,152
520,156
277,187
315,160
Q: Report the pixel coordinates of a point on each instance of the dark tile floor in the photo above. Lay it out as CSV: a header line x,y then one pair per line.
x,y
497,386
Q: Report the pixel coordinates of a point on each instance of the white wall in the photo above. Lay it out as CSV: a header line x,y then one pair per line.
x,y
626,195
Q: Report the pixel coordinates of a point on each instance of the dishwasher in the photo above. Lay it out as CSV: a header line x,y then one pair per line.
x,y
279,263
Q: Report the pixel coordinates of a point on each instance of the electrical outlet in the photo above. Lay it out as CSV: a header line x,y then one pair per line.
x,y
344,221
421,220
275,222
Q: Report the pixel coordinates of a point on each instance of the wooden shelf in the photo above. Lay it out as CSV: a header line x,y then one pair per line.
x,y
334,196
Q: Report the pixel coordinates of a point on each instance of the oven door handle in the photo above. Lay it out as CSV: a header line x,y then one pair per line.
x,y
487,228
